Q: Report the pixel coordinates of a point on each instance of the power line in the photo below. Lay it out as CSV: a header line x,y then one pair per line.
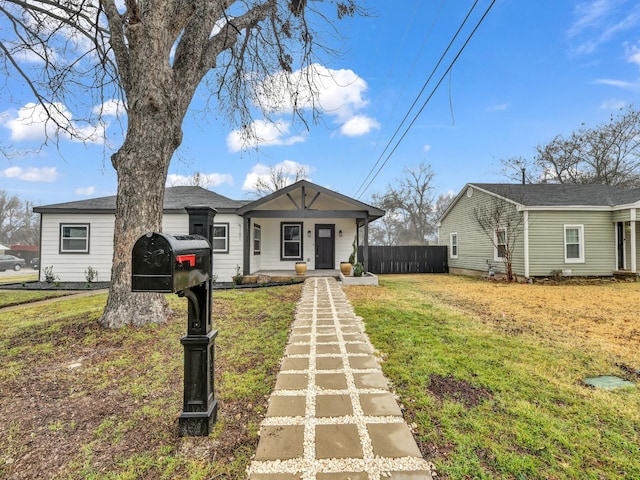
x,y
362,189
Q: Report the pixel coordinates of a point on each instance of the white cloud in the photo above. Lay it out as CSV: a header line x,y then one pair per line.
x,y
358,125
31,174
633,54
204,180
613,104
113,108
426,148
598,21
33,123
85,191
625,85
499,107
261,171
337,93
262,133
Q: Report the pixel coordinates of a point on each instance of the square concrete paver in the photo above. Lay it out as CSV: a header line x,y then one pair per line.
x,y
299,338
280,442
379,404
331,381
298,349
338,441
333,406
343,476
370,380
354,337
364,361
393,440
275,476
328,348
358,348
419,475
286,406
329,363
291,381
326,338
295,364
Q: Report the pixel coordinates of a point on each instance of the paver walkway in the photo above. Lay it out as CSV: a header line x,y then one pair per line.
x,y
331,415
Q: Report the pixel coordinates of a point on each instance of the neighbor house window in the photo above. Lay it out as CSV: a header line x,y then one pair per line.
x,y
453,245
500,244
74,238
574,243
291,235
221,237
257,239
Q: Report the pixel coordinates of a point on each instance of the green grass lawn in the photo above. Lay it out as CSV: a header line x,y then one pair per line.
x,y
489,404
81,402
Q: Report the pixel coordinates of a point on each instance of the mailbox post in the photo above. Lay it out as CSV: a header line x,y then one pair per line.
x,y
182,264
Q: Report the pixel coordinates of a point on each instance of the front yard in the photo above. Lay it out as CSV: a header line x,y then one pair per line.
x,y
490,374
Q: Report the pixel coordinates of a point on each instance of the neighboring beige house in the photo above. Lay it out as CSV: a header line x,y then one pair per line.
x,y
302,222
580,230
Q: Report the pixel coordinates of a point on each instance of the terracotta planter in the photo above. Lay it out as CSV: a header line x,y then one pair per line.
x,y
301,268
345,268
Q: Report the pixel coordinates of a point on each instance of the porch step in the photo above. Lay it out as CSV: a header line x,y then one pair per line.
x,y
625,275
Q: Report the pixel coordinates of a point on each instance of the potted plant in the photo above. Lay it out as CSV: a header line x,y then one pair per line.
x,y
358,270
345,267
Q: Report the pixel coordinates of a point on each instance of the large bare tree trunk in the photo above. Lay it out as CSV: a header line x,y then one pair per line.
x,y
156,108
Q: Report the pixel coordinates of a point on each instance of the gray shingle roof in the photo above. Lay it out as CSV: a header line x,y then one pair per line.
x,y
175,199
550,195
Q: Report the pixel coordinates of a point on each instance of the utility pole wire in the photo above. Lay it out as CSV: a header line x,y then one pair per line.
x,y
415,118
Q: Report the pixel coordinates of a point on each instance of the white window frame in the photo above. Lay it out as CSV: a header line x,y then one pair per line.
x,y
257,239
453,245
496,245
86,238
283,225
581,246
225,238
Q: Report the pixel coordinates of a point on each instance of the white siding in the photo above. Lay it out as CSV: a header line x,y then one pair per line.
x,y
71,267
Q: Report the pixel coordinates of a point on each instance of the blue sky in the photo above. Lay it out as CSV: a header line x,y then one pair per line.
x,y
532,70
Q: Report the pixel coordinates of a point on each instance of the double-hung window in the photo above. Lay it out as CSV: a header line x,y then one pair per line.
x,y
74,238
574,243
257,239
501,244
221,238
291,241
453,245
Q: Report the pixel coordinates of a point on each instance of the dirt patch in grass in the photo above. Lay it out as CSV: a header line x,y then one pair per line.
x,y
449,388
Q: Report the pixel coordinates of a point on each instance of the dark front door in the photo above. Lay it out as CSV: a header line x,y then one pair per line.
x,y
620,236
325,247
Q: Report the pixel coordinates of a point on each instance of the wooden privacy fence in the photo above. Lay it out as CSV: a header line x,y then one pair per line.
x,y
410,259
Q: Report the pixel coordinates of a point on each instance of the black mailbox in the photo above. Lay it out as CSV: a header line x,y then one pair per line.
x,y
169,263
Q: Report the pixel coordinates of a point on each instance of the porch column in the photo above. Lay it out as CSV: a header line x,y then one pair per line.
x,y
526,244
633,241
365,249
246,244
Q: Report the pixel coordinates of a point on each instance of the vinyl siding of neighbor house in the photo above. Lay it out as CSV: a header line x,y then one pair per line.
x,y
475,248
546,242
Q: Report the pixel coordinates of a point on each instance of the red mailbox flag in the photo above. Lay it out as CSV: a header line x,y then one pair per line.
x,y
190,259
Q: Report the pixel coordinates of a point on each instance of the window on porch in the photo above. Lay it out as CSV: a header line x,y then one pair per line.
x,y
291,241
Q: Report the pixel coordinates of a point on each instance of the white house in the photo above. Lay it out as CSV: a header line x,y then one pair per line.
x,y
301,222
